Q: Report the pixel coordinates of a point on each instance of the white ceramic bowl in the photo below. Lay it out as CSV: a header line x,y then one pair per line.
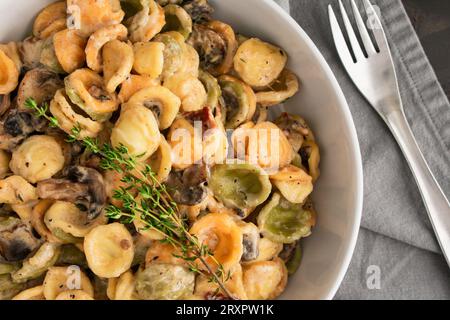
x,y
339,191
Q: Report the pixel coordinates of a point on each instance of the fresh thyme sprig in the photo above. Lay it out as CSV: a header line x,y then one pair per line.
x,y
154,206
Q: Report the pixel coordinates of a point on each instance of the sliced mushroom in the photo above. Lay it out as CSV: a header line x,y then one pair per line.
x,y
295,128
40,84
199,10
30,52
188,187
5,104
16,239
250,241
83,186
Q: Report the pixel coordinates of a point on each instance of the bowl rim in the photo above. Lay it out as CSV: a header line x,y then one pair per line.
x,y
355,147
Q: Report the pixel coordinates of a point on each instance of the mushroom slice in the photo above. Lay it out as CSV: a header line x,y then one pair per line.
x,y
60,279
240,186
295,128
69,49
83,186
35,293
38,264
16,239
109,250
189,89
174,50
223,237
137,130
50,20
5,104
188,187
37,158
285,222
164,282
86,89
250,243
48,56
30,52
160,100
265,280
68,118
118,59
239,100
149,58
199,10
212,88
40,84
65,216
280,90
9,74
259,63
146,23
87,16
293,183
177,19
98,39
133,84
16,190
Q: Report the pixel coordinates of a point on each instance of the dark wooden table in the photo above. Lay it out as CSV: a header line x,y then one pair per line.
x,y
431,19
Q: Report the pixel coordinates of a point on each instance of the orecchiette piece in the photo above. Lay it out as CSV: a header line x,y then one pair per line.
x,y
282,89
98,39
137,129
69,119
48,56
189,89
87,16
191,63
265,279
86,89
146,23
5,157
223,237
74,295
118,59
9,74
69,49
37,158
37,221
268,249
160,100
125,288
163,253
35,293
149,58
259,63
16,190
293,183
133,84
174,49
50,20
12,51
60,279
177,19
109,250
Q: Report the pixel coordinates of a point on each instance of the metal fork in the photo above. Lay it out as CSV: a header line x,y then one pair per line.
x,y
374,75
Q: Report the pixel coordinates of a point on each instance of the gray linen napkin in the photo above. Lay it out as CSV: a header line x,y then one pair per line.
x,y
396,237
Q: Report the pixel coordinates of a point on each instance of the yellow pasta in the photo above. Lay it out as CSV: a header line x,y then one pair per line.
x,y
61,279
149,58
69,49
118,59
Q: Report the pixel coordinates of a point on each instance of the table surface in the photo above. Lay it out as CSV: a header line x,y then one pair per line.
x,y
431,19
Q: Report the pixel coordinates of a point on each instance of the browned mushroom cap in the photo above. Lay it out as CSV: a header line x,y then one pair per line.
x,y
295,128
40,84
5,104
188,187
199,10
16,239
30,52
210,46
83,186
16,126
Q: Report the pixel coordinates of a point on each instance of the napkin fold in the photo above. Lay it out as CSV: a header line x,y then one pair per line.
x,y
396,239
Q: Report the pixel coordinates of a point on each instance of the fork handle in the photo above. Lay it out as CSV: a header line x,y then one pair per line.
x,y
436,203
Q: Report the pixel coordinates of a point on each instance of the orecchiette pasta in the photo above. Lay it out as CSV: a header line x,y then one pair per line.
x,y
109,250
59,279
5,157
177,19
35,293
149,58
74,295
293,183
223,237
133,84
50,20
86,89
118,58
37,158
87,16
174,49
189,89
68,118
9,78
98,39
191,64
48,56
16,190
137,129
282,89
162,102
12,51
38,223
125,288
69,49
259,63
147,23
